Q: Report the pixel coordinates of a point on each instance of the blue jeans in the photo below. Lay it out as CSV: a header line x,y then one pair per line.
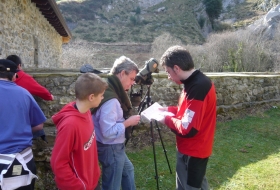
x,y
117,169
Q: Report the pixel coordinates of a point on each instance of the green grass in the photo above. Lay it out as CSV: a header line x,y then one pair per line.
x,y
246,156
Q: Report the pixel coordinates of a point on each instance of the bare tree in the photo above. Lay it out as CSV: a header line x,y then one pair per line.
x,y
162,43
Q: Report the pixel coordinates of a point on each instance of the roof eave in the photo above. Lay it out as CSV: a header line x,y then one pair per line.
x,y
51,12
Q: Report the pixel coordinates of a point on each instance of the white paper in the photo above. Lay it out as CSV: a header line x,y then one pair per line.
x,y
153,112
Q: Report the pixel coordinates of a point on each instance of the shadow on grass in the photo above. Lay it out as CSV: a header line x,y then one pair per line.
x,y
239,143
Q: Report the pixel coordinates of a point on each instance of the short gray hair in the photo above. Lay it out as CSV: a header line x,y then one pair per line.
x,y
123,63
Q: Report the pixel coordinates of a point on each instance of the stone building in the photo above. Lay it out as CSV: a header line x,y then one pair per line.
x,y
34,30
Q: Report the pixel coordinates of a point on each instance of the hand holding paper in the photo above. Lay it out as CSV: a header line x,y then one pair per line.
x,y
156,112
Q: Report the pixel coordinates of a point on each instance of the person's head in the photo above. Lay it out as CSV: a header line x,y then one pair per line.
x,y
8,69
90,87
16,59
176,60
126,70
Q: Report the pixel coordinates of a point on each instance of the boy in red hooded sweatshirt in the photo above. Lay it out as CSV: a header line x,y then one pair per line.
x,y
74,159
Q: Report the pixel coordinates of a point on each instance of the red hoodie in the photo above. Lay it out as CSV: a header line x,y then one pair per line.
x,y
31,85
74,159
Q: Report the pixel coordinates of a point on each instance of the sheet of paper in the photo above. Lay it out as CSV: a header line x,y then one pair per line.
x,y
153,112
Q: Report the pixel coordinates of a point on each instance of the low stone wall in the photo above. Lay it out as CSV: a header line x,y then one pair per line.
x,y
235,92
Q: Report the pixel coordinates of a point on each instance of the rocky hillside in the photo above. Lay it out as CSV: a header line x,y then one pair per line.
x,y
135,21
141,21
105,29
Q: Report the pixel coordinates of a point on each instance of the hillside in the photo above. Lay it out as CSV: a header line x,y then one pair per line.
x,y
244,13
106,29
127,21
141,21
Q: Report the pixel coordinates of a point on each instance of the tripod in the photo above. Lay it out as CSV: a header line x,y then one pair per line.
x,y
148,102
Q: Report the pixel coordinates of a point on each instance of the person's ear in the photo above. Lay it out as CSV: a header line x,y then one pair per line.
x,y
91,97
176,69
14,77
122,73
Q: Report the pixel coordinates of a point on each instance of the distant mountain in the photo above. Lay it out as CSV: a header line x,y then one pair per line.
x,y
105,29
135,21
141,21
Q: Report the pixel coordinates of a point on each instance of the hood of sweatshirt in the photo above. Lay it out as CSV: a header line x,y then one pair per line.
x,y
67,111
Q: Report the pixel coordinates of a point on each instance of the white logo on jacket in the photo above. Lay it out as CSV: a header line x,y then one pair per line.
x,y
88,144
187,118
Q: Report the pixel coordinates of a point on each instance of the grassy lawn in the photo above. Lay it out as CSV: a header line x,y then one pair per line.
x,y
246,155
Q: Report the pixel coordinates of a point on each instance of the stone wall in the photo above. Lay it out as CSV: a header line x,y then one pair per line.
x,y
24,31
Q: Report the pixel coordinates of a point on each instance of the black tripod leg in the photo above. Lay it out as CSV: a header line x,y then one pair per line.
x,y
163,147
154,152
140,109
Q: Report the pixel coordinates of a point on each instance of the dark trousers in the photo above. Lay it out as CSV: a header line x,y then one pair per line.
x,y
97,187
190,173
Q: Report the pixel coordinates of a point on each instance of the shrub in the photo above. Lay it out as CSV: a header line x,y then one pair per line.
x,y
234,51
213,9
138,11
219,26
162,43
201,21
133,20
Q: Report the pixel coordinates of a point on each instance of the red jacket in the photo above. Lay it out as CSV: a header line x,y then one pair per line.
x,y
31,85
74,159
194,122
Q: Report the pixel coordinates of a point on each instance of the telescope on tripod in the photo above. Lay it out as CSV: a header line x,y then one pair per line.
x,y
144,77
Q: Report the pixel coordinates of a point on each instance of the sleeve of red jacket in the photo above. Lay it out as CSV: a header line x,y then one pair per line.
x,y
190,122
65,177
172,109
30,84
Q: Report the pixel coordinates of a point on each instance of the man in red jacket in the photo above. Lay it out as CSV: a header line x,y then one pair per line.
x,y
74,159
28,82
194,119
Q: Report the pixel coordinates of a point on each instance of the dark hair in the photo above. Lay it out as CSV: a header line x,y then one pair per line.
x,y
87,84
177,55
6,75
14,58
